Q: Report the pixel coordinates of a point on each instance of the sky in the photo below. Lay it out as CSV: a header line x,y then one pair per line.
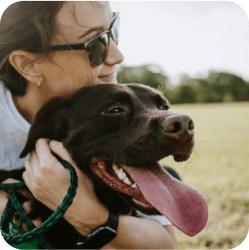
x,y
185,37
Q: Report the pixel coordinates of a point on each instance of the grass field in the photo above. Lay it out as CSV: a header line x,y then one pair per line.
x,y
219,169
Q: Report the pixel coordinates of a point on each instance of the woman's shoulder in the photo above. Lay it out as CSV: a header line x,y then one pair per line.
x,y
9,112
12,141
3,91
13,133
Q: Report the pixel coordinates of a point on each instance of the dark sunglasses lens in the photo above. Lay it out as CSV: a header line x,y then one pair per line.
x,y
98,50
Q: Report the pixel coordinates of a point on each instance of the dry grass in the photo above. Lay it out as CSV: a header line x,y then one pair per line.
x,y
219,169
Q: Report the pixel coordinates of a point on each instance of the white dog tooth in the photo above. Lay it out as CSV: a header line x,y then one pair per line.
x,y
134,185
127,181
121,174
114,166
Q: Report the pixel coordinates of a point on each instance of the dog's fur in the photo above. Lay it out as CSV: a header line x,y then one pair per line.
x,y
128,124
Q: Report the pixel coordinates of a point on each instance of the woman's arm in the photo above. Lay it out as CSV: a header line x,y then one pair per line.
x,y
87,212
137,233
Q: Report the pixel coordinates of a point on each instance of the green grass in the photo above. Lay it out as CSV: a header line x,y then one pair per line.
x,y
219,169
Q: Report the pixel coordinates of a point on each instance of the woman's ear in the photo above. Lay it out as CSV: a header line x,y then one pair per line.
x,y
25,64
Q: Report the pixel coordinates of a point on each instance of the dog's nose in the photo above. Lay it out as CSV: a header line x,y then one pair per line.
x,y
178,124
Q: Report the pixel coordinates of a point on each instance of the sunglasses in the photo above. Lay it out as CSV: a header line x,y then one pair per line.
x,y
97,47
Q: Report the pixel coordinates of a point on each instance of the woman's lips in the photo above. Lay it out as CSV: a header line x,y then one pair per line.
x,y
111,75
108,79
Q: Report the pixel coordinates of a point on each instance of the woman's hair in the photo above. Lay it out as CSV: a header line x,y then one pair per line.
x,y
25,25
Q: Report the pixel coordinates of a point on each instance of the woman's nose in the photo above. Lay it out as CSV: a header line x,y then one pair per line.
x,y
114,55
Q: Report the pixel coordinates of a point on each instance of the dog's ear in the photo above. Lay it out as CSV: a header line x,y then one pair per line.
x,y
44,125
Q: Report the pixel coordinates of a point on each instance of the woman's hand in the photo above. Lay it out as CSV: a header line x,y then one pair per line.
x,y
27,205
48,181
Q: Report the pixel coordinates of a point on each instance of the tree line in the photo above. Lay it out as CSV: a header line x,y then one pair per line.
x,y
216,87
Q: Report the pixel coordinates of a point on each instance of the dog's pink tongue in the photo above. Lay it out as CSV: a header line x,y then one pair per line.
x,y
183,206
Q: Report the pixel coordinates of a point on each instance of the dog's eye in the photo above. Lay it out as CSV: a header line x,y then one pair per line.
x,y
114,110
165,107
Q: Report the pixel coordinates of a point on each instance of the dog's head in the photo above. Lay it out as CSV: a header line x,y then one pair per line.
x,y
117,133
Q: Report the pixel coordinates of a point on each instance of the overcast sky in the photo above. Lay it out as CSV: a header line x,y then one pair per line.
x,y
185,37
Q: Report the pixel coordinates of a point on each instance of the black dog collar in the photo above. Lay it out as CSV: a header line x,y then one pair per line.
x,y
101,235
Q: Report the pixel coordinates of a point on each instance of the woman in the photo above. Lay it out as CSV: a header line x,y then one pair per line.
x,y
33,70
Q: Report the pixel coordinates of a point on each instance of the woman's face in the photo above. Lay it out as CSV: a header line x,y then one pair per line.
x,y
65,72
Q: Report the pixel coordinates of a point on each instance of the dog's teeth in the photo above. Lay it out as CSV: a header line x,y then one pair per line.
x,y
114,166
127,181
121,174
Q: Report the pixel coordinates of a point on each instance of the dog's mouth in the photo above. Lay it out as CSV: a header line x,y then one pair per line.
x,y
116,177
153,187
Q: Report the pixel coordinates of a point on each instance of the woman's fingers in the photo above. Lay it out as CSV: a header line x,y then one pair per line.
x,y
48,181
59,149
23,191
46,178
3,201
43,148
37,222
28,206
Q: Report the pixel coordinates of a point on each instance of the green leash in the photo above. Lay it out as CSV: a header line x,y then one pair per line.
x,y
35,233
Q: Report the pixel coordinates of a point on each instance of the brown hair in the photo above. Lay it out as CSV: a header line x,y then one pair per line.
x,y
25,25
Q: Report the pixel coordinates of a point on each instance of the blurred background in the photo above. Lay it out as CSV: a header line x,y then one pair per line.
x,y
197,54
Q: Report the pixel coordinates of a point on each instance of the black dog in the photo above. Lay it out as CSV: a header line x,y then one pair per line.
x,y
116,134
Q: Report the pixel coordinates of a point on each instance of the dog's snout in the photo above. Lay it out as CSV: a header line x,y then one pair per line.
x,y
178,124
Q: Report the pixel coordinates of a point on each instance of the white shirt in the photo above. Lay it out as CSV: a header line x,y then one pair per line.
x,y
13,132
